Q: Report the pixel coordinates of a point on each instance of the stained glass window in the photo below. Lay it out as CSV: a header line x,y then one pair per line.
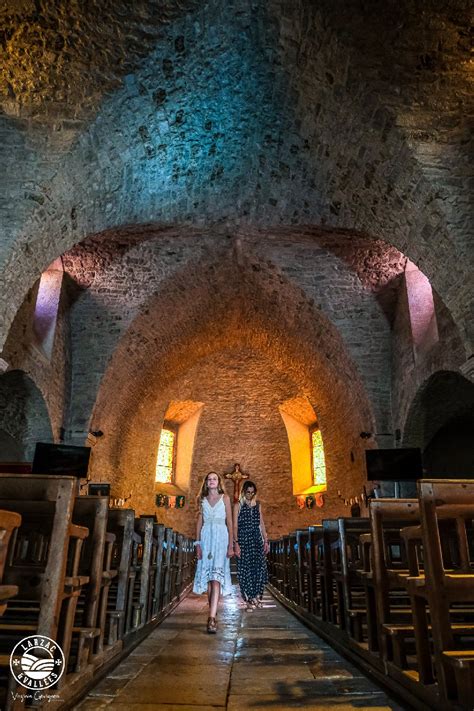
x,y
319,465
165,459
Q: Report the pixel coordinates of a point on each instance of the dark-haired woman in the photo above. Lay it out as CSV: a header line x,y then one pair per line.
x,y
250,546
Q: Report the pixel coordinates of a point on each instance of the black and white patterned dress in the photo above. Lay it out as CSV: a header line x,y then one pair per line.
x,y
252,564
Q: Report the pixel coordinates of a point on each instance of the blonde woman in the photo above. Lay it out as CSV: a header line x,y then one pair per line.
x,y
213,545
250,546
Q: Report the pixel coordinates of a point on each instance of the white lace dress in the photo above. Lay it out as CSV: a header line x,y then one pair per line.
x,y
214,565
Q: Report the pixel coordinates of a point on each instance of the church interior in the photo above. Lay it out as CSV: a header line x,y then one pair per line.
x,y
237,237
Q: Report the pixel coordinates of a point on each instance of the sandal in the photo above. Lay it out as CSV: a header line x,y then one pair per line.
x,y
250,607
258,603
211,625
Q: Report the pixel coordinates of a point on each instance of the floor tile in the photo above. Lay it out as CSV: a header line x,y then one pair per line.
x,y
261,660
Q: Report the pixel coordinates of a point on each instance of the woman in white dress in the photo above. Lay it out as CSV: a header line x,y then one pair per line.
x,y
213,545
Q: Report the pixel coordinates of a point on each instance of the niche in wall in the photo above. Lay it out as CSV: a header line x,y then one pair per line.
x,y
308,467
177,443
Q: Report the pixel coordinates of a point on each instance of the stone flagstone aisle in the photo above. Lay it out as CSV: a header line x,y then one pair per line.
x,y
265,659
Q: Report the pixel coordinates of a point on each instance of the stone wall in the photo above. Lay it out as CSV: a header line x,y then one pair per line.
x,y
322,270
51,375
240,422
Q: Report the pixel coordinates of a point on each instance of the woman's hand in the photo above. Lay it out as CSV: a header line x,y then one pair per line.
x,y
236,550
198,551
266,546
230,551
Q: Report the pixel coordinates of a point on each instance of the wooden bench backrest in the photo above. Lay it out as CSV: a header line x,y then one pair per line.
x,y
45,504
92,513
9,521
442,500
350,530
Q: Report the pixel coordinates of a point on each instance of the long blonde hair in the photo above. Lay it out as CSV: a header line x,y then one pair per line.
x,y
204,490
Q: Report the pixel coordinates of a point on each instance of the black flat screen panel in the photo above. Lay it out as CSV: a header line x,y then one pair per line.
x,y
394,464
61,459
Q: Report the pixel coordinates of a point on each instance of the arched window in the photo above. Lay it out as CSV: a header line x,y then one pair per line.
x,y
165,461
424,326
308,465
318,464
47,306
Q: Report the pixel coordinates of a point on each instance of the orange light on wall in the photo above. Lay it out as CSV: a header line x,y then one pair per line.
x,y
165,459
318,461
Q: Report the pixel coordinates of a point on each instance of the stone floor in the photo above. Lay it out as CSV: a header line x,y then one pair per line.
x,y
265,659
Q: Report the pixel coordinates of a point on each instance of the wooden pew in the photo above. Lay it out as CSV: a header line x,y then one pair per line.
x,y
277,566
43,562
396,619
178,562
141,556
159,531
92,513
305,591
166,574
329,588
450,582
121,524
315,562
152,567
353,601
188,563
9,522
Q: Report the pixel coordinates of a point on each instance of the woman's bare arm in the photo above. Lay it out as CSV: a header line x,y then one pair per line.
x,y
198,535
228,520
266,545
236,529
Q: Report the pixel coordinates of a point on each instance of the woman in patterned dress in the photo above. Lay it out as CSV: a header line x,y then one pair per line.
x,y
250,546
213,545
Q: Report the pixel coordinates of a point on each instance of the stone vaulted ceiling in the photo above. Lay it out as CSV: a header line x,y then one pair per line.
x,y
245,113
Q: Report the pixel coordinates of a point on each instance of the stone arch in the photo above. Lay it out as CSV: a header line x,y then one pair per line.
x,y
230,309
24,417
132,164
441,399
130,267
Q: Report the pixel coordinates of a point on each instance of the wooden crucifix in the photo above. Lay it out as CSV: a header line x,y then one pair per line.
x,y
237,477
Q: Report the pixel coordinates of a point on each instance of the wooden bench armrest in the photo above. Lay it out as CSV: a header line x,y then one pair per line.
x,y
8,591
86,632
76,581
411,533
459,658
76,531
9,520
